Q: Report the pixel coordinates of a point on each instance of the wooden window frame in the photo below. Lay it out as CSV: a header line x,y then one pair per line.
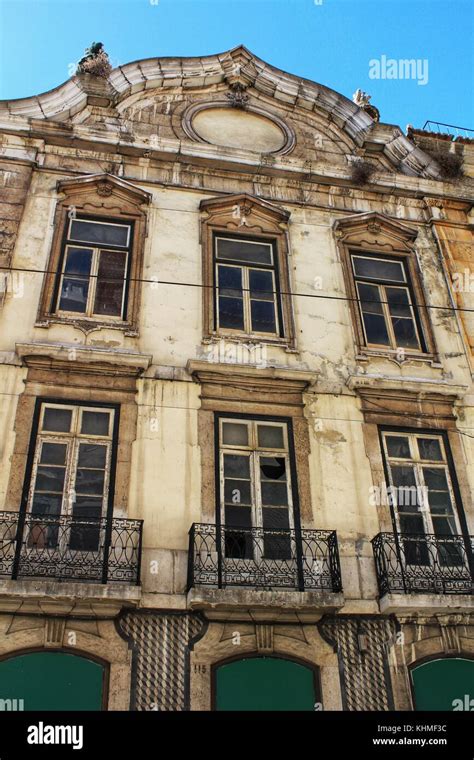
x,y
246,268
97,251
376,235
415,461
255,451
101,198
252,421
37,434
244,216
382,285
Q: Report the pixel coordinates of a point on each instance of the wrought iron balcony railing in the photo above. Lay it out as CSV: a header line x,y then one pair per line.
x,y
69,548
423,564
303,560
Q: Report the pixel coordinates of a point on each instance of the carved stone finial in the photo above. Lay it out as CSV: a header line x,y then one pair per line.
x,y
95,61
362,99
237,96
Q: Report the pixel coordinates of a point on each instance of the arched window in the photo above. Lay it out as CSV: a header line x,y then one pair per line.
x,y
266,683
444,684
52,680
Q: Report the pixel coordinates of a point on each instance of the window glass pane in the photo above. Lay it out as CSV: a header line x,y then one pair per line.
x,y
53,453
238,545
73,295
275,519
405,333
42,535
238,517
407,495
440,502
236,466
244,250
272,468
230,281
398,301
412,524
430,448
276,545
78,261
376,329
271,437
369,298
95,232
449,552
231,313
237,491
261,285
95,423
110,283
88,507
50,479
403,475
85,529
84,534
46,504
263,316
397,446
378,269
435,478
234,434
90,481
92,455
57,420
416,551
444,526
274,494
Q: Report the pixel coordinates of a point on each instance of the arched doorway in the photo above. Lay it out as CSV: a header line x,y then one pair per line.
x,y
47,680
443,684
265,683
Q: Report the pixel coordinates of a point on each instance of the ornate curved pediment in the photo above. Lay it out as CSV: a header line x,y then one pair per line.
x,y
160,101
375,230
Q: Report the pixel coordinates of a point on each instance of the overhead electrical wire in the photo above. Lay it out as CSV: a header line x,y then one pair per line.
x,y
158,281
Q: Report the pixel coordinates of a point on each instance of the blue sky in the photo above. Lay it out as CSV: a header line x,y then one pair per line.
x,y
329,41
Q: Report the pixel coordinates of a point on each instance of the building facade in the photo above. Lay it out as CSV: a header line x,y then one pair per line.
x,y
236,408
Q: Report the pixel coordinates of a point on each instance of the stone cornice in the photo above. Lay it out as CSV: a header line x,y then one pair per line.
x,y
236,66
82,359
419,387
258,377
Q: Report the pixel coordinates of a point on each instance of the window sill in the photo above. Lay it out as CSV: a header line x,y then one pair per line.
x,y
88,324
250,340
365,354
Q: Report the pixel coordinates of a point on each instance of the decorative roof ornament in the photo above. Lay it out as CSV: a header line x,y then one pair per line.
x,y
95,61
237,97
362,99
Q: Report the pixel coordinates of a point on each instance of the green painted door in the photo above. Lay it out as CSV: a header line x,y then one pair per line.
x,y
446,684
51,681
265,683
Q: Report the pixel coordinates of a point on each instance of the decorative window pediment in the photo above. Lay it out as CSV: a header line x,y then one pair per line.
x,y
385,288
245,271
96,257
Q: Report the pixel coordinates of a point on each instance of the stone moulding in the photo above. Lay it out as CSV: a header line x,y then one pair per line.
x,y
87,359
289,137
238,65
